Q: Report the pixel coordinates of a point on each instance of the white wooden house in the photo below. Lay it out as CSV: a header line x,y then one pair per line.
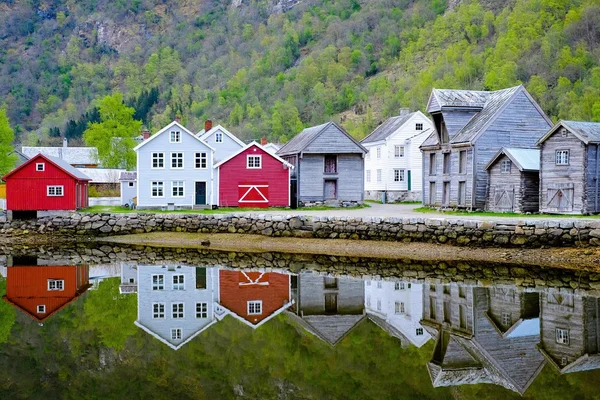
x,y
393,164
224,142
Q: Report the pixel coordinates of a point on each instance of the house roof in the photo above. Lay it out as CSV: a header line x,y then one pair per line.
x,y
524,159
302,140
72,155
167,342
287,164
387,128
587,132
204,135
128,176
166,128
103,175
331,328
19,154
458,98
65,166
431,141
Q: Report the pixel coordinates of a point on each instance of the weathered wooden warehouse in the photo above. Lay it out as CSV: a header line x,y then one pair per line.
x,y
514,181
570,168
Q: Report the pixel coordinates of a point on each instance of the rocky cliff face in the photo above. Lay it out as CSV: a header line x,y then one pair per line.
x,y
275,6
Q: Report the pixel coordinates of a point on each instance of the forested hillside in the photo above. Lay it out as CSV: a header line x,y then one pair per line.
x,y
268,68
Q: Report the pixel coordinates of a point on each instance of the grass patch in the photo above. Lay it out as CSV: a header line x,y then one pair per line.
x,y
373,201
324,208
411,202
429,210
221,210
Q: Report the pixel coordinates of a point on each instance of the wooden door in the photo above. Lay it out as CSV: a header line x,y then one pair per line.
x,y
330,189
560,197
504,198
200,193
331,303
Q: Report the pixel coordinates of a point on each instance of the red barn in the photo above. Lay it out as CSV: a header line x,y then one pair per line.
x,y
253,177
42,291
46,183
254,297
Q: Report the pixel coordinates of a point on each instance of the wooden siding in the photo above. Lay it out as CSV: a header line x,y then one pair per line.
x,y
349,176
332,141
454,178
128,192
521,187
223,149
456,120
593,178
311,295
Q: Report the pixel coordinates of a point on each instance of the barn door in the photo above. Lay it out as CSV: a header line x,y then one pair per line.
x,y
330,189
560,197
504,198
331,303
253,195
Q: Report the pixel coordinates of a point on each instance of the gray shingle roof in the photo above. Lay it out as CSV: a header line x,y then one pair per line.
x,y
301,140
387,128
460,98
128,176
332,328
432,140
587,130
68,167
72,155
103,175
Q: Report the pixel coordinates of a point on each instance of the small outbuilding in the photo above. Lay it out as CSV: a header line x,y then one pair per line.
x,y
513,176
128,187
45,183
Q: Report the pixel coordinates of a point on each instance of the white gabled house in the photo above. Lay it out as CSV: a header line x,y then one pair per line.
x,y
224,142
175,170
393,163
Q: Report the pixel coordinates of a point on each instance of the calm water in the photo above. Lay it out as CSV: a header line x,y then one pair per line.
x,y
150,323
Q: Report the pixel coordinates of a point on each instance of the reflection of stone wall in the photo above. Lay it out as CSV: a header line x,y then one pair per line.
x,y
431,271
506,233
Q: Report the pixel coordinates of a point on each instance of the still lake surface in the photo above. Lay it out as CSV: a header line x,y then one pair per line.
x,y
133,322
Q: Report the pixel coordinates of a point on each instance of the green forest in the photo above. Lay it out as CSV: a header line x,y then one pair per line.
x,y
261,72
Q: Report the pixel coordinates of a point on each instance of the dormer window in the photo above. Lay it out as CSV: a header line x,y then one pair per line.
x,y
218,137
39,167
175,137
506,166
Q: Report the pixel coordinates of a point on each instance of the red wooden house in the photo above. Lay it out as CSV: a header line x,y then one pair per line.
x,y
41,291
253,177
254,297
46,183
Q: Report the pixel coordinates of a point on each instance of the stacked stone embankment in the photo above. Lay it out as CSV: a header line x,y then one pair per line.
x,y
507,233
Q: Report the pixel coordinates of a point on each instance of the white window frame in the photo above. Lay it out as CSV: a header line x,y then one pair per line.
x,y
399,307
180,284
562,157
160,188
368,300
172,158
175,137
379,175
399,286
219,137
399,151
130,184
562,336
158,285
378,304
56,285
158,310
418,126
38,165
368,175
398,175
378,151
251,307
200,158
419,331
253,157
506,318
182,187
159,156
177,313
55,190
176,333
41,309
201,310
505,166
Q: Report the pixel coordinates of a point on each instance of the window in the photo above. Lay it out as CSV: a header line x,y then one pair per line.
x,y
446,289
399,307
368,283
398,175
330,165
505,166
56,284
40,167
378,175
378,152
177,188
177,310
399,286
564,361
379,284
419,331
432,193
432,164
41,309
378,305
432,308
158,310
158,160
130,184
255,307
176,334
446,163
201,310
398,151
562,157
368,175
446,193
175,137
178,282
158,282
506,319
368,301
562,336
419,126
330,282
462,316
254,162
462,162
462,193
158,189
563,132
54,191
200,160
218,137
177,160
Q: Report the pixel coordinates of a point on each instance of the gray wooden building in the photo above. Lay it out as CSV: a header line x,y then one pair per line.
x,y
513,181
570,168
328,163
471,127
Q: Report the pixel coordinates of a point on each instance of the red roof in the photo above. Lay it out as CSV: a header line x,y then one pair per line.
x,y
57,162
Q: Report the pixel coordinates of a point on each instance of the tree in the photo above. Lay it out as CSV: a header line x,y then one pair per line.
x,y
114,134
7,136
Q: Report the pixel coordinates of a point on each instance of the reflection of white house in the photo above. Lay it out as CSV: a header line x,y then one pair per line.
x,y
98,273
397,308
175,303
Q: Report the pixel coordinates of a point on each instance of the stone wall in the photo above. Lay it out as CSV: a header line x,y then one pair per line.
x,y
394,196
506,233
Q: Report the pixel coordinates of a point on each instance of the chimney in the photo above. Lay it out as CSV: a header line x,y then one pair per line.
x,y
65,142
146,134
178,119
404,111
263,141
207,125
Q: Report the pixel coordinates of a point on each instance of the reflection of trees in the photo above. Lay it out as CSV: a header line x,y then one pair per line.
x,y
7,314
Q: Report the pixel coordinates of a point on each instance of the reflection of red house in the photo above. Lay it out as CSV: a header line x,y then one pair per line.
x,y
253,177
42,291
254,297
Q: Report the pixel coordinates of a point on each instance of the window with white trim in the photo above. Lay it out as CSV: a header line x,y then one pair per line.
x,y
218,137
158,282
130,184
201,310
378,304
368,175
254,162
255,307
399,286
378,152
399,307
505,166
176,334
158,160
562,157
378,175
176,160
200,161
418,126
41,309
56,284
419,331
55,191
40,167
398,151
158,189
398,175
369,301
562,336
178,282
177,188
175,137
379,285
368,283
177,310
158,310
